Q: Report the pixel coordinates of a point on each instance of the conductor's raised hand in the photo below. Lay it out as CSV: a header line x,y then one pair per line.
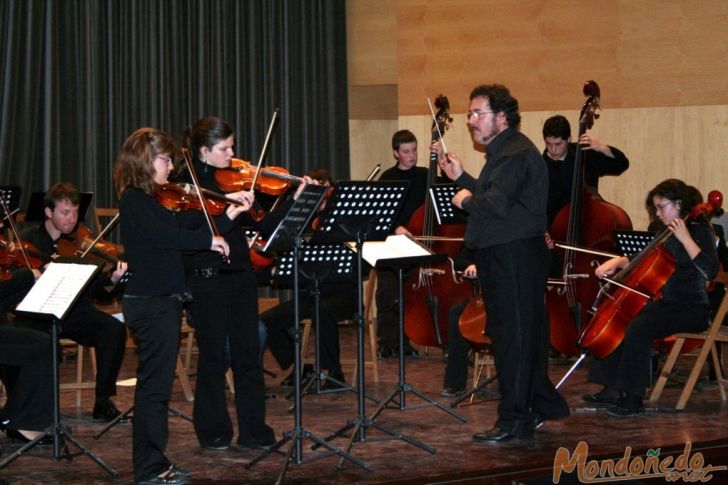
x,y
451,166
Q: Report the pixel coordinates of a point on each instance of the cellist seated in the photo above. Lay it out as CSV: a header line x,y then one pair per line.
x,y
683,306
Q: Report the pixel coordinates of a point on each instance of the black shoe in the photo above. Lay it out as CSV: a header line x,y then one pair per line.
x,y
256,443
451,391
599,399
386,353
629,405
170,477
105,411
16,435
306,373
218,444
495,435
183,472
410,351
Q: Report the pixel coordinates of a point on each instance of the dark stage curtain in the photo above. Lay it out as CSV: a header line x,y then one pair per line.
x,y
76,77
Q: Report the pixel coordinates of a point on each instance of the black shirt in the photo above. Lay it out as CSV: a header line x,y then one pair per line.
x,y
231,230
509,196
561,174
153,240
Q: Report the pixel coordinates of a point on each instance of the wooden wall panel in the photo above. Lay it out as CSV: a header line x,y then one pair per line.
x,y
685,142
371,41
643,53
370,142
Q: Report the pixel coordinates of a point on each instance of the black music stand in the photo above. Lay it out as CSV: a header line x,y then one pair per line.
x,y
128,415
445,211
332,262
51,298
632,242
287,235
400,264
11,198
363,211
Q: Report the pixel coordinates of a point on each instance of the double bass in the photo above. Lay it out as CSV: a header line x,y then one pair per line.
x,y
588,222
436,285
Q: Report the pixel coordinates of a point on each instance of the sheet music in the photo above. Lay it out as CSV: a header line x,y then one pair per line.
x,y
395,246
57,288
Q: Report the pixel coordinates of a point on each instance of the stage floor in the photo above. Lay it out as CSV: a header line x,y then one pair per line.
x,y
457,457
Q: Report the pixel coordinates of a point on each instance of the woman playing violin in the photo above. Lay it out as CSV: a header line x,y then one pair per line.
x,y
153,241
683,307
225,308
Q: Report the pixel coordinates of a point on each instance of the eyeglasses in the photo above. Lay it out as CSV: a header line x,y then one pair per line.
x,y
661,207
164,159
477,114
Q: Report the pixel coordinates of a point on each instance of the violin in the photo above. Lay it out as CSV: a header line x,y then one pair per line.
x,y
12,256
241,174
183,197
81,243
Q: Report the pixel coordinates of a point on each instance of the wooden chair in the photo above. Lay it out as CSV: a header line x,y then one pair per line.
x,y
79,383
370,323
714,333
105,213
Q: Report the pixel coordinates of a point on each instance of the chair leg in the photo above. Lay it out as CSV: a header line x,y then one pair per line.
x,y
373,348
718,372
184,380
666,369
307,324
230,381
694,374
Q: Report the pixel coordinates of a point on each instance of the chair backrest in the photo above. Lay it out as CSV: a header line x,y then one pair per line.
x,y
103,212
720,313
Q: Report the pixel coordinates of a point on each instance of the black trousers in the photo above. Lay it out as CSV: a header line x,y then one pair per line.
x,y
225,311
91,327
155,322
25,358
88,326
388,307
333,308
513,279
628,367
456,371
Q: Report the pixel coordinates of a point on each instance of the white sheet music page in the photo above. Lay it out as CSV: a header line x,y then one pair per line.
x,y
395,246
57,288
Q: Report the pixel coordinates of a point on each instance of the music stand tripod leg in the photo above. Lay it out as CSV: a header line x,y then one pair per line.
x,y
299,433
60,435
403,386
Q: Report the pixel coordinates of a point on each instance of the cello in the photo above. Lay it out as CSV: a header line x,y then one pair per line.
x,y
436,285
634,286
589,222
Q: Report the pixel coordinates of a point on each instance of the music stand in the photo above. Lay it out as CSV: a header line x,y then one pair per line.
x,y
287,235
445,211
51,298
409,258
332,262
11,196
362,211
632,242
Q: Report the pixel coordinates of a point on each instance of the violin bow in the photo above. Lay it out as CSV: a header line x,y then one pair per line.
x,y
191,169
264,149
374,172
14,229
101,234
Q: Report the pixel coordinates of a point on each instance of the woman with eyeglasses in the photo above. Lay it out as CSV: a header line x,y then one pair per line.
x,y
153,244
683,307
